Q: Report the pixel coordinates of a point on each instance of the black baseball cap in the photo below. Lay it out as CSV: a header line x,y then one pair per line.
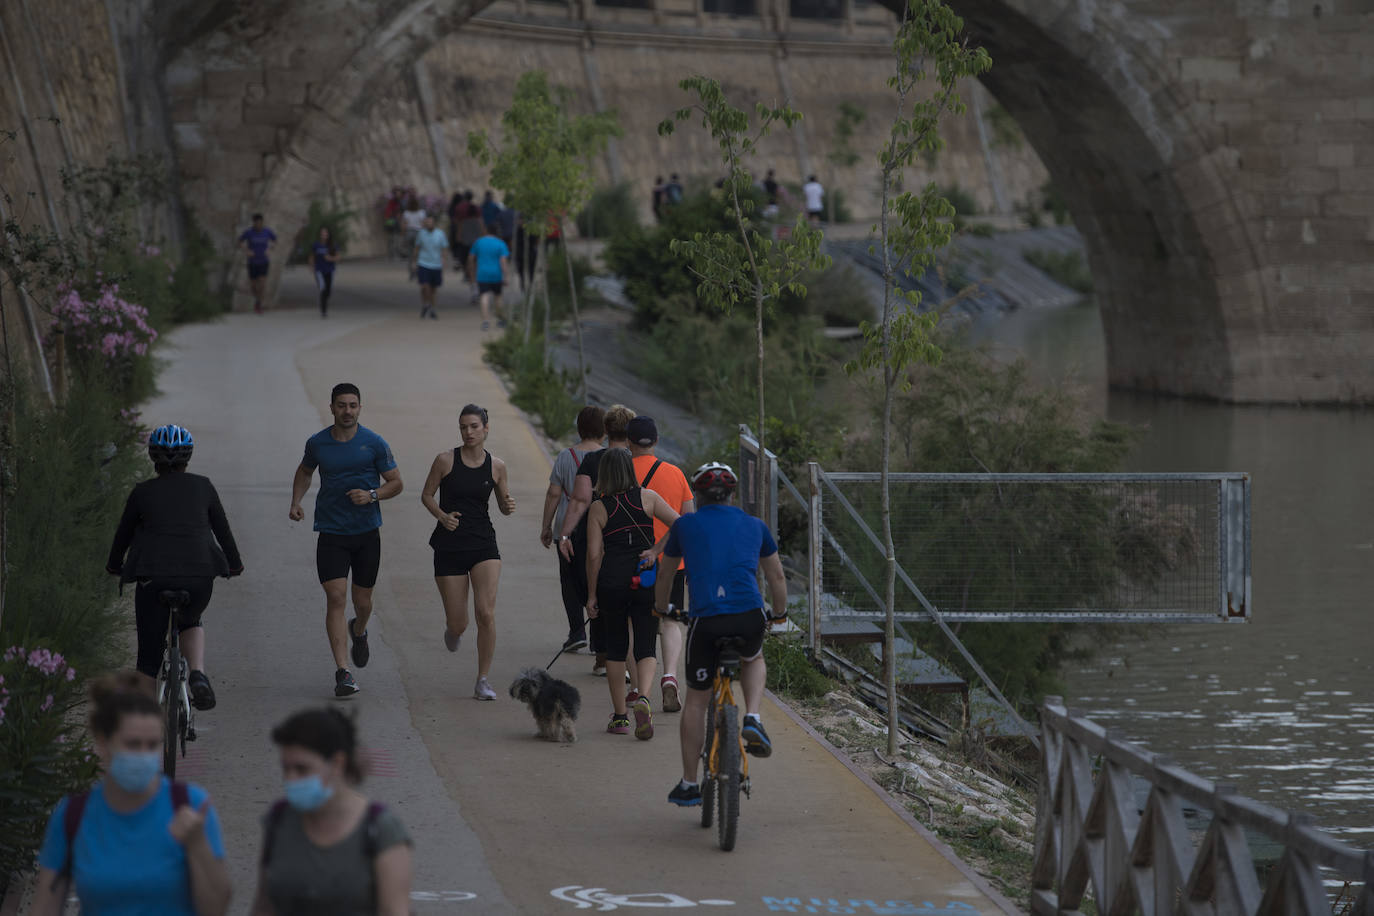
x,y
642,431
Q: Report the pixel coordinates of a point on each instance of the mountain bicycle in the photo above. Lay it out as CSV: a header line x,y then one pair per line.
x,y
726,765
173,694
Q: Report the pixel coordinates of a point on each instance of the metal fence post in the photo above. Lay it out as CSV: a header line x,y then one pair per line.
x,y
813,530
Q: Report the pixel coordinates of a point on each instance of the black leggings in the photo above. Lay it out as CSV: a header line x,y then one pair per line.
x,y
150,617
621,608
325,281
572,576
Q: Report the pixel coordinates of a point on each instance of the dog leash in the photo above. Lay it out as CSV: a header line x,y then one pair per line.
x,y
585,621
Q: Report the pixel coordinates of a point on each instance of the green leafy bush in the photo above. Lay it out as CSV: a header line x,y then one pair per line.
x,y
609,211
540,391
43,751
961,199
791,672
1066,267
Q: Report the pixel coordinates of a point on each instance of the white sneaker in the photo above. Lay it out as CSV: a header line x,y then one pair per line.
x,y
451,641
482,690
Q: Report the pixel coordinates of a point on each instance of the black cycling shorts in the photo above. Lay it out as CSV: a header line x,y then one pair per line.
x,y
151,616
338,554
702,633
461,562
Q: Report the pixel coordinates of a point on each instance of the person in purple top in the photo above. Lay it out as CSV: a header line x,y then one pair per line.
x,y
257,241
323,255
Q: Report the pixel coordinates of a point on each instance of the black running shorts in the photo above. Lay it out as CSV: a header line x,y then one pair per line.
x,y
257,270
461,562
702,633
338,554
494,288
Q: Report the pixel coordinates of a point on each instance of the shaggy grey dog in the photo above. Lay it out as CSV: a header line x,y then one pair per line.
x,y
553,703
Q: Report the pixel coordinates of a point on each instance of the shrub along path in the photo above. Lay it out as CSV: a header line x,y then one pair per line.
x,y
503,823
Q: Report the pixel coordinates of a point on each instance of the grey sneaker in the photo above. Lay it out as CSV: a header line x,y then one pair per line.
x,y
482,690
450,641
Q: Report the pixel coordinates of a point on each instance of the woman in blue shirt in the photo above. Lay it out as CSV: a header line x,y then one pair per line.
x,y
323,255
133,849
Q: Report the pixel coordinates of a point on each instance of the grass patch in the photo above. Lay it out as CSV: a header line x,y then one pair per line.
x,y
536,388
791,672
1065,267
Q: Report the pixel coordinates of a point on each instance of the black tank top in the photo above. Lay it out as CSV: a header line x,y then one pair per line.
x,y
466,490
628,531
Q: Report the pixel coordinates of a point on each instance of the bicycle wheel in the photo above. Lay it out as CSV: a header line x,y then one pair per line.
x,y
708,780
171,708
727,790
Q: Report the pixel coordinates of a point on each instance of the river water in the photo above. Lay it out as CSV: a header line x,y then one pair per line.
x,y
1283,705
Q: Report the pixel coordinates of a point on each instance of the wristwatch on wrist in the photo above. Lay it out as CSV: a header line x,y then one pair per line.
x,y
374,495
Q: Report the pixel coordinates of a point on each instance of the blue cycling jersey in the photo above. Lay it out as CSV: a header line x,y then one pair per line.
x,y
722,546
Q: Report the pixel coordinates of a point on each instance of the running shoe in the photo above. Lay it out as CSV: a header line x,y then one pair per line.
x,y
644,719
450,641
482,690
486,325
620,725
344,685
360,652
433,314
685,796
599,665
501,323
631,696
668,686
575,642
202,694
755,738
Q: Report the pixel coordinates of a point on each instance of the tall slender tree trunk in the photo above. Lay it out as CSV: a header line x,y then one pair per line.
x,y
763,489
529,285
544,294
577,324
889,545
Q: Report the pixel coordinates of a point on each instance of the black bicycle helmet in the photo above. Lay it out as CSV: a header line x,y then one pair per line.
x,y
170,445
714,476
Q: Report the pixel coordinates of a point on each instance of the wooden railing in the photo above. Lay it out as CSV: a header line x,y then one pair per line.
x,y
1092,838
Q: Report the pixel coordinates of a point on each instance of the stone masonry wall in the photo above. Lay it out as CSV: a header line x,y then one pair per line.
x,y
472,76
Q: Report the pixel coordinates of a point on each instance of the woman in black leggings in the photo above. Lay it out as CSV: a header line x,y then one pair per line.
x,y
621,549
173,536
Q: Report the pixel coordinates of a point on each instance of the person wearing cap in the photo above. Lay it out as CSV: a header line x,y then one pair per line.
x,y
668,481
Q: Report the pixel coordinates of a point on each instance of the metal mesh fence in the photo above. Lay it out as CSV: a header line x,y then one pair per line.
x,y
1035,547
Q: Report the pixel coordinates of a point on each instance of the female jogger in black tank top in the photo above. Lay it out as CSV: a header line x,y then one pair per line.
x,y
464,540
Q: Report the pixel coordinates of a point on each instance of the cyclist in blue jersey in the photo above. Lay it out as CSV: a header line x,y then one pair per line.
x,y
357,471
724,548
257,241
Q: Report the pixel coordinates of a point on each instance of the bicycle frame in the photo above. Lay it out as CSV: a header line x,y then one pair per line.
x,y
722,695
172,687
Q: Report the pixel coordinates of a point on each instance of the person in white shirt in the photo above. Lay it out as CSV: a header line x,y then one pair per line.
x,y
814,192
412,221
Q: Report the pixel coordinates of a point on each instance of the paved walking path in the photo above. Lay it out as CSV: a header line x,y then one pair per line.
x,y
503,823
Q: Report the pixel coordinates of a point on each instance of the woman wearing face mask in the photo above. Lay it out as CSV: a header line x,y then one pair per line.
x,y
135,842
326,848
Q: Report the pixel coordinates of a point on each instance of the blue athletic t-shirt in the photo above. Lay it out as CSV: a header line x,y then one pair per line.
x,y
429,247
128,864
489,250
722,545
258,240
322,263
357,464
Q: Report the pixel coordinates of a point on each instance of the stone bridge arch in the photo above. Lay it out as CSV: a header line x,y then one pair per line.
x,y
1217,155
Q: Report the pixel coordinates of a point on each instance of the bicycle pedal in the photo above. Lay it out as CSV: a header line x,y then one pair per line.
x,y
744,787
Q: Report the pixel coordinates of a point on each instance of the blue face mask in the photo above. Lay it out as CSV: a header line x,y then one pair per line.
x,y
307,794
133,771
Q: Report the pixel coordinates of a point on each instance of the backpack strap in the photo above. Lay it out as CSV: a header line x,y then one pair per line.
x,y
274,814
71,822
650,476
374,809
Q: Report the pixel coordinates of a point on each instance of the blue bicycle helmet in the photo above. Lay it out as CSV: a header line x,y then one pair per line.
x,y
170,445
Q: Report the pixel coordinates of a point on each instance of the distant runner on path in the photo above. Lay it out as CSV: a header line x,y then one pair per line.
x,y
427,263
257,241
357,471
464,540
489,262
323,257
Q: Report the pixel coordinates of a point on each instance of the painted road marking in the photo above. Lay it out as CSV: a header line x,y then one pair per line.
x,y
584,898
442,896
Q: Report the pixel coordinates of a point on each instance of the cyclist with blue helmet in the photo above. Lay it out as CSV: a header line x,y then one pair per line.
x,y
173,536
724,548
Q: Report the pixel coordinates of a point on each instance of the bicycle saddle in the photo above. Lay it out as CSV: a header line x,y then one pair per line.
x,y
174,598
733,644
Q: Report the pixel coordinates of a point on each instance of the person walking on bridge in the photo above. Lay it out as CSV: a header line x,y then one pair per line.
x,y
427,263
572,576
357,472
724,549
464,540
489,262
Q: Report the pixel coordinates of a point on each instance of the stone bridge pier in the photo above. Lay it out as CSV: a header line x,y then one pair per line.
x,y
1218,156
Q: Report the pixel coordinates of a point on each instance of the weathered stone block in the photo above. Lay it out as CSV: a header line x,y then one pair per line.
x,y
1210,69
276,114
229,84
1336,155
1355,204
1354,179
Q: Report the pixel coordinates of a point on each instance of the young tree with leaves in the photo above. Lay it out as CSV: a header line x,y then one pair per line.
x,y
542,165
912,229
744,265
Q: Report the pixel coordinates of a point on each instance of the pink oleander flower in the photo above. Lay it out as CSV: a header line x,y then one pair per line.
x,y
47,704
